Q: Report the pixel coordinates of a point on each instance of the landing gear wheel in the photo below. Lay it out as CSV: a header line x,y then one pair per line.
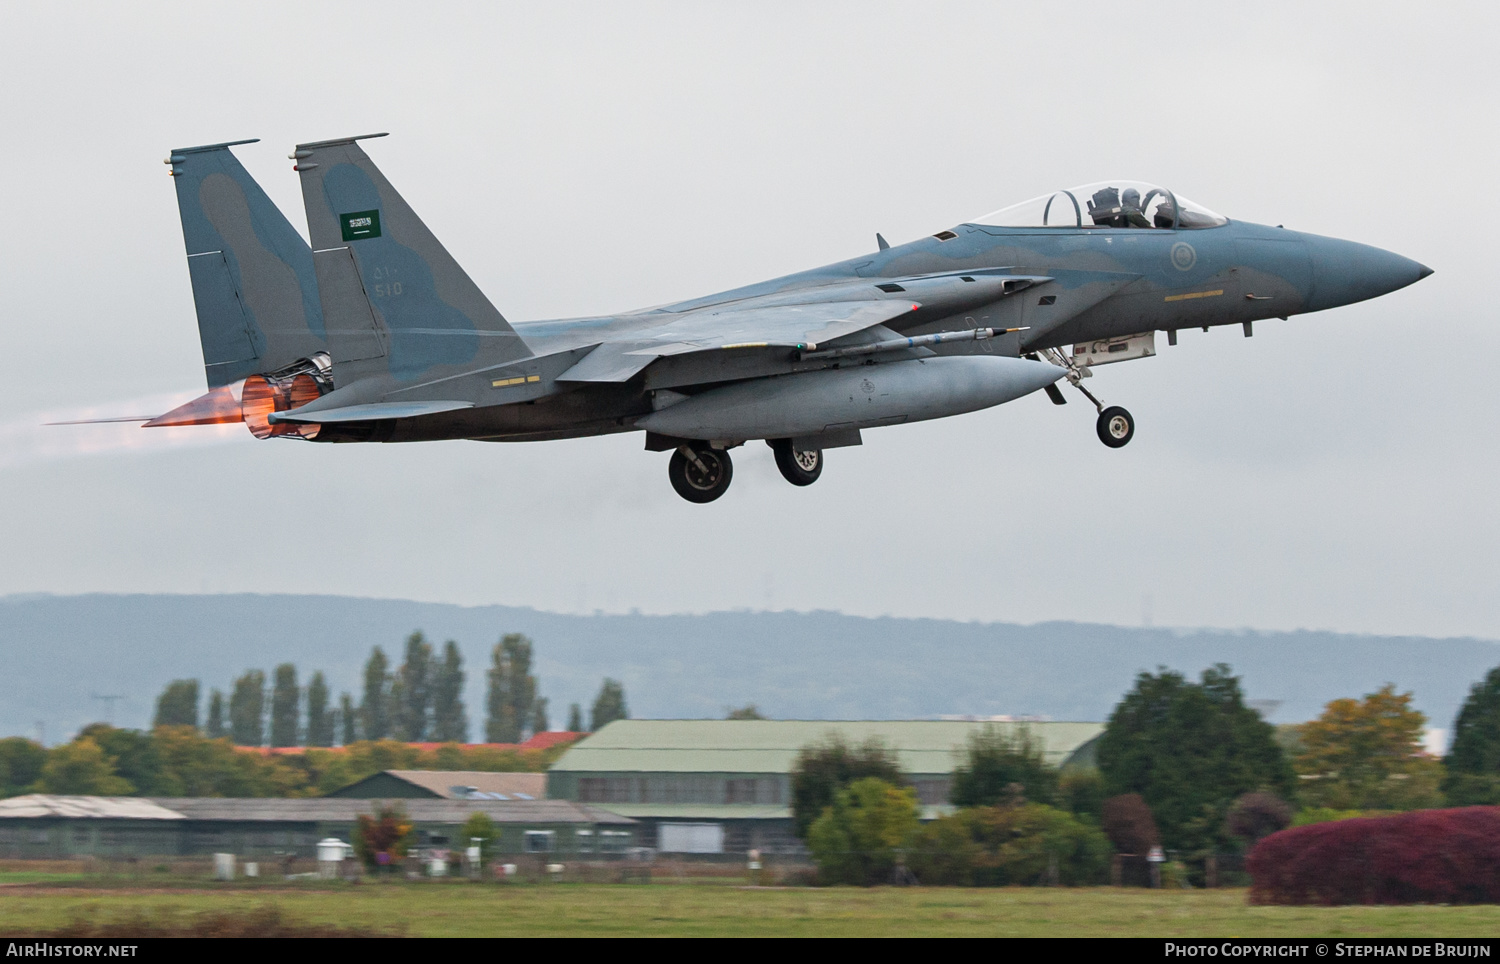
x,y
700,474
1116,426
798,468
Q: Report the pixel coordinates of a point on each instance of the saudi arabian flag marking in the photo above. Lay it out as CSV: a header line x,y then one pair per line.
x,y
360,225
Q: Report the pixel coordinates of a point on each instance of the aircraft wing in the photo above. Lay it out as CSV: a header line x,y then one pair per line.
x,y
790,326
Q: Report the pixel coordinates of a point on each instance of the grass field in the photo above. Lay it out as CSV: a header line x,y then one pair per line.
x,y
694,908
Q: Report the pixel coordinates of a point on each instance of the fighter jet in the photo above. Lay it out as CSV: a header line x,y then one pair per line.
x,y
374,333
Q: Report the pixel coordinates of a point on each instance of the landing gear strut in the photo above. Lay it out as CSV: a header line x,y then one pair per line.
x,y
1116,426
797,467
700,473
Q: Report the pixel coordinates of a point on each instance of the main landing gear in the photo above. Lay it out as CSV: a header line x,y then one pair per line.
x,y
1116,426
797,467
701,473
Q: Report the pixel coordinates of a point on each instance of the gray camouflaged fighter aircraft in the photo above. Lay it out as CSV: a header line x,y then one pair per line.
x,y
375,334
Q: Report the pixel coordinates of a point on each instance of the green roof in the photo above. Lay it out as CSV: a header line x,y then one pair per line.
x,y
730,811
771,746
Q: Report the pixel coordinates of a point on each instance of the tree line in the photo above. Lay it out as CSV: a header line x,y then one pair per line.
x,y
181,761
419,701
1181,765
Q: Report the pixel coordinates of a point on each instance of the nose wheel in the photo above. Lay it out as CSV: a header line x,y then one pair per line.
x,y
700,474
1116,426
797,467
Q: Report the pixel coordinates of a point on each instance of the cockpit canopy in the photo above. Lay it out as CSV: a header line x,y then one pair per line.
x,y
1106,204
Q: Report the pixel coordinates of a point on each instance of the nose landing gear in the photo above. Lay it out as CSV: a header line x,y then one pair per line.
x,y
699,473
1116,426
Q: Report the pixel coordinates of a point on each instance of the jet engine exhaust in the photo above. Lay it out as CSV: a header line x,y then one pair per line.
x,y
262,396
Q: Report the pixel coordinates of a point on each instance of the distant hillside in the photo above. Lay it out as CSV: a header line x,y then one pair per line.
x,y
60,651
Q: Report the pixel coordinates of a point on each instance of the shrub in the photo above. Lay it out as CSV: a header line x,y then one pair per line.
x,y
860,837
1309,815
1127,822
1081,792
1257,815
382,840
999,846
1425,856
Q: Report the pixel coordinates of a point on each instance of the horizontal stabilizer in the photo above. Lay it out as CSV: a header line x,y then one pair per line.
x,y
371,412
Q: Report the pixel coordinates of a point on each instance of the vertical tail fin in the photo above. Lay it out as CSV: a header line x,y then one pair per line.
x,y
253,279
395,299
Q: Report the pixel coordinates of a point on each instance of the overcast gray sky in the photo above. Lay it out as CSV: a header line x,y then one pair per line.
x,y
1336,471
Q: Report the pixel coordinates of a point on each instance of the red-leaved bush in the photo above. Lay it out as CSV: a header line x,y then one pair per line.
x,y
1426,856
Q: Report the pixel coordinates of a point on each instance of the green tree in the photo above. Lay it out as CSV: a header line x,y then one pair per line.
x,y
860,836
747,712
450,721
1190,749
21,762
215,728
133,756
286,701
512,690
999,766
1367,755
479,827
822,769
247,709
575,718
375,709
1473,762
81,768
412,691
539,721
178,704
609,705
320,717
348,720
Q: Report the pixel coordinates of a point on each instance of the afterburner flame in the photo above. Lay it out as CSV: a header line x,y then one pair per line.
x,y
218,407
261,397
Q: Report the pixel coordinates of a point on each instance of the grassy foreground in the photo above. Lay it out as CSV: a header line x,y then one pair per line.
x,y
461,909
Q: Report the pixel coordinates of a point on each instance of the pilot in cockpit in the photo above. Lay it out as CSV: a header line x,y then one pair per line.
x,y
1131,215
1112,208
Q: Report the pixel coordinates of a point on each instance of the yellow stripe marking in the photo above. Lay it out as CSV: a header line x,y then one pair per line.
x,y
1195,294
518,380
747,344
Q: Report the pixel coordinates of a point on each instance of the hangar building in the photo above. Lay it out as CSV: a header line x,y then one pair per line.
x,y
46,826
724,786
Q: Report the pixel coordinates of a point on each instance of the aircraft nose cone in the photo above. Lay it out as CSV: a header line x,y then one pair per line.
x,y
1345,272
